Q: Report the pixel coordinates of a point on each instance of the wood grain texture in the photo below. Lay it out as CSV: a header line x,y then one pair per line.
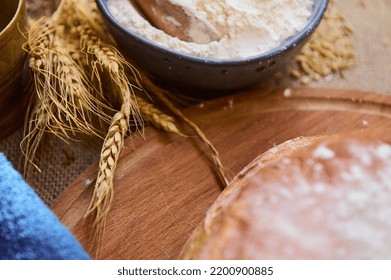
x,y
177,20
164,184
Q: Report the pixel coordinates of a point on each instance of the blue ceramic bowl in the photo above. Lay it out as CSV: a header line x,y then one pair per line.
x,y
195,74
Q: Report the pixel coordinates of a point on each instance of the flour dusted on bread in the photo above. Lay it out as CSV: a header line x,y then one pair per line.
x,y
330,200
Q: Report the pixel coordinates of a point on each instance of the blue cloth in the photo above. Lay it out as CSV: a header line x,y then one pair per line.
x,y
28,229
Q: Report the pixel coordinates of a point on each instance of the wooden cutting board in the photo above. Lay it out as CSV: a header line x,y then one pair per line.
x,y
164,184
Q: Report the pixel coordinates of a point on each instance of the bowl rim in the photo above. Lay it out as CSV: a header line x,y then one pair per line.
x,y
13,20
288,44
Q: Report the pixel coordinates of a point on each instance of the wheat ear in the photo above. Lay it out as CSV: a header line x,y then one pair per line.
x,y
60,77
159,119
113,144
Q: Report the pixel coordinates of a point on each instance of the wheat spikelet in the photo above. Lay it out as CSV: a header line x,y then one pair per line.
x,y
157,117
88,10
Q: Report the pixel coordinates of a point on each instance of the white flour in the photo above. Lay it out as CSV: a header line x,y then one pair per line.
x,y
247,27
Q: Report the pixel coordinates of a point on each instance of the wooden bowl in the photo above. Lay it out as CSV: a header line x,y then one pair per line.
x,y
13,21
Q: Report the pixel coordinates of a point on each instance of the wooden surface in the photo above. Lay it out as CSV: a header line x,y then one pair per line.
x,y
158,12
164,184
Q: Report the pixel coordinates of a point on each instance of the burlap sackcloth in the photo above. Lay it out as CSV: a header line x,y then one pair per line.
x,y
371,21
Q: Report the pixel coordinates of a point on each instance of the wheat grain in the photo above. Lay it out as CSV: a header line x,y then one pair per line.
x,y
329,51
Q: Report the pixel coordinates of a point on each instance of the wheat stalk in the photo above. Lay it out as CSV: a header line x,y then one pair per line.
x,y
39,111
35,126
162,96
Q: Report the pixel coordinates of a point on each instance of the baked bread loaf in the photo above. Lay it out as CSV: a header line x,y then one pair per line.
x,y
308,198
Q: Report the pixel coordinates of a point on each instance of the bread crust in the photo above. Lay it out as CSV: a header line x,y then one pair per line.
x,y
307,198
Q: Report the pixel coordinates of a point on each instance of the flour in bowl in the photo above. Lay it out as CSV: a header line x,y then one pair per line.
x,y
246,27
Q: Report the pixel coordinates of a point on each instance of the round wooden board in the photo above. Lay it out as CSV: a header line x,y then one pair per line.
x,y
164,184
